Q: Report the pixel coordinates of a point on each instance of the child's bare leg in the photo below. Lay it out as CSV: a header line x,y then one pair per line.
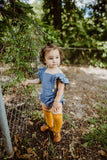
x,y
58,120
48,117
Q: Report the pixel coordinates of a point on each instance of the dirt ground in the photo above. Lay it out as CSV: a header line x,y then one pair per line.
x,y
86,84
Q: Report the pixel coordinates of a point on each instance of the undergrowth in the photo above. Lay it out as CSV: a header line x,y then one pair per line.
x,y
98,126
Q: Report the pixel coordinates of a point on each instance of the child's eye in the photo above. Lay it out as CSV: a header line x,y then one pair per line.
x,y
57,57
50,58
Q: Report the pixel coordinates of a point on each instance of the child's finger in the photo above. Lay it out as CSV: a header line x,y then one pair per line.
x,y
55,109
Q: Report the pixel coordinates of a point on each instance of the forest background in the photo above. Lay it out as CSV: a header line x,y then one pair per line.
x,y
25,28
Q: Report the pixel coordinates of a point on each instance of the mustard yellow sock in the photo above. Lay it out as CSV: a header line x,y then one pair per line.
x,y
58,119
48,118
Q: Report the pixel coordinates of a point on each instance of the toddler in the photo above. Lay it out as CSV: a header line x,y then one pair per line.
x,y
53,81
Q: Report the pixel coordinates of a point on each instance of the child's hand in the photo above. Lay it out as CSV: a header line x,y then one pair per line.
x,y
25,83
56,106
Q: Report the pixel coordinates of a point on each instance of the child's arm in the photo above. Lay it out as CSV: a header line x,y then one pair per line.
x,y
58,95
35,81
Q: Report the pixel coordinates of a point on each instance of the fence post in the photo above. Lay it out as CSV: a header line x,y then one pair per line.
x,y
4,126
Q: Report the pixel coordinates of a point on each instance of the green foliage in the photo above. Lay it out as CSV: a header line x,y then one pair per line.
x,y
37,8
99,11
36,115
30,92
98,136
14,13
52,150
67,118
51,35
20,48
98,126
99,58
22,37
79,32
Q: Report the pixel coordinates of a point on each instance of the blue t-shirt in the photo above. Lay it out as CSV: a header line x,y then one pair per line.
x,y
48,80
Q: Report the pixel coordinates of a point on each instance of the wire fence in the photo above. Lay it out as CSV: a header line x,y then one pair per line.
x,y
18,102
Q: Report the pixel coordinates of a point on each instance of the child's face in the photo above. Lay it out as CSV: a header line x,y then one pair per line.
x,y
52,59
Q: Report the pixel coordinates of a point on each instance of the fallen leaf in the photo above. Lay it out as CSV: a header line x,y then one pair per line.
x,y
31,123
18,139
102,153
15,149
45,141
18,153
45,153
71,149
75,157
29,150
25,156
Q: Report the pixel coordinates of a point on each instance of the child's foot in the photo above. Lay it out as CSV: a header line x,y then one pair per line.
x,y
57,137
45,128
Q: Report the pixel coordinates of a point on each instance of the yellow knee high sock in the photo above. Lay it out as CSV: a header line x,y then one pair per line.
x,y
48,118
57,122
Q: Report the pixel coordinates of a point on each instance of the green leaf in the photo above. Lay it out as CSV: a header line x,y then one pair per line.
x,y
85,144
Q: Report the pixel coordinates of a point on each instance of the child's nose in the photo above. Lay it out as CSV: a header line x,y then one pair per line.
x,y
54,60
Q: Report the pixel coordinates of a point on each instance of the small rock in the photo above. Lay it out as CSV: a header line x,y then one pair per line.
x,y
34,135
72,113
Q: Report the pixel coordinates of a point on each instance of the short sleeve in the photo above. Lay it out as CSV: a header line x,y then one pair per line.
x,y
40,72
62,78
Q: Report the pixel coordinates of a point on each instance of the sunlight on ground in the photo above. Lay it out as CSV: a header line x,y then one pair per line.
x,y
101,73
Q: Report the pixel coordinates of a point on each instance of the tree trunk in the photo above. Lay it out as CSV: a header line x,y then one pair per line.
x,y
57,5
